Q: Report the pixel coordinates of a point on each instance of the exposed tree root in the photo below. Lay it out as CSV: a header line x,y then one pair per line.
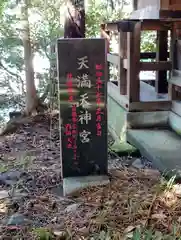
x,y
14,123
38,107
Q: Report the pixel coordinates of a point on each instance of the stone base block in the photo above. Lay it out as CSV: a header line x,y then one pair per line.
x,y
72,184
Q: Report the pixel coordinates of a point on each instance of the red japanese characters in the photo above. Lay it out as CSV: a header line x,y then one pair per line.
x,y
71,129
99,86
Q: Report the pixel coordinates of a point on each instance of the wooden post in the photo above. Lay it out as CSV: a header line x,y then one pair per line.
x,y
74,26
133,65
171,88
105,34
122,73
161,84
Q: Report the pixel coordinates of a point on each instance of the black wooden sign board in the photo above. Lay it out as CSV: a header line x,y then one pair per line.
x,y
83,106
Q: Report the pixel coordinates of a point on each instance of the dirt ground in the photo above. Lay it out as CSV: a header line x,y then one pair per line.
x,y
136,201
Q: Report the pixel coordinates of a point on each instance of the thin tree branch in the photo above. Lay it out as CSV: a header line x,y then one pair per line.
x,y
9,72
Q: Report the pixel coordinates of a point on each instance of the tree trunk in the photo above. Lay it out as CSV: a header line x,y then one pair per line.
x,y
74,26
31,95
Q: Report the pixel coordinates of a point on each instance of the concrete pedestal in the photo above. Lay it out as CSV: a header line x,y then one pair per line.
x,y
72,184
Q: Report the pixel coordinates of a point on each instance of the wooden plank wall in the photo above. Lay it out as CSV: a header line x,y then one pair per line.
x,y
175,5
146,3
159,4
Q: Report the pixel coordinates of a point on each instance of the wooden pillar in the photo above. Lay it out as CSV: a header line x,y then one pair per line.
x,y
177,58
161,85
133,64
173,57
105,34
122,72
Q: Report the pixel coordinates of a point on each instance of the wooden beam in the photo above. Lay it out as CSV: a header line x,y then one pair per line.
x,y
149,55
133,62
146,24
173,14
128,25
161,85
150,66
114,58
150,106
155,66
155,26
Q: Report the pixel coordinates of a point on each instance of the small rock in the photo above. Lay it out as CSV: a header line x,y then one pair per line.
x,y
7,183
58,190
9,177
137,164
61,234
3,194
44,198
18,195
72,208
17,220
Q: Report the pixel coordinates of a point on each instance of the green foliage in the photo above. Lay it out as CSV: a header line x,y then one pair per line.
x,y
2,6
95,16
139,234
148,41
100,12
42,234
45,28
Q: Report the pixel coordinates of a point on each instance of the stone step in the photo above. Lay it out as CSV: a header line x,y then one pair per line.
x,y
176,107
174,121
162,147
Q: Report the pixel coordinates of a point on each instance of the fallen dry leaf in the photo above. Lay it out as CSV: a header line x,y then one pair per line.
x,y
129,229
159,216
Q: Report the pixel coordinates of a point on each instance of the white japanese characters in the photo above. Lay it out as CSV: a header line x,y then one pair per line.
x,y
83,101
84,136
82,62
83,81
85,117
